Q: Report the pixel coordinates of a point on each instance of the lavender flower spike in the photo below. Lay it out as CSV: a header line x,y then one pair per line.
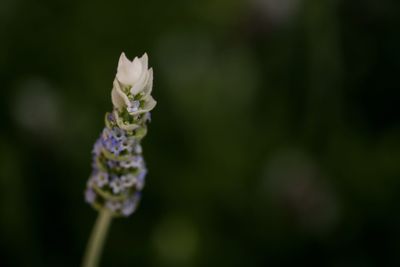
x,y
118,166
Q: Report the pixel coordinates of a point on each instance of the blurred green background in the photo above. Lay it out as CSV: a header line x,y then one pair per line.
x,y
275,141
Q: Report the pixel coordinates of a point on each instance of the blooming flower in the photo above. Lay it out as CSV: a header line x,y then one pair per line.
x,y
90,195
119,169
101,179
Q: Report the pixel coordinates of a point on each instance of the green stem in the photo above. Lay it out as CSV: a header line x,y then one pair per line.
x,y
96,241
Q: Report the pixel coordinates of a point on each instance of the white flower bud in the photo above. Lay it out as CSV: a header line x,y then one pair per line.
x,y
134,73
130,72
133,85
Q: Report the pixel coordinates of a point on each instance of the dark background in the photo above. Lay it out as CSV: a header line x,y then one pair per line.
x,y
275,141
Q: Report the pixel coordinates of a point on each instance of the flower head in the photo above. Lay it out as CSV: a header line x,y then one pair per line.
x,y
119,169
